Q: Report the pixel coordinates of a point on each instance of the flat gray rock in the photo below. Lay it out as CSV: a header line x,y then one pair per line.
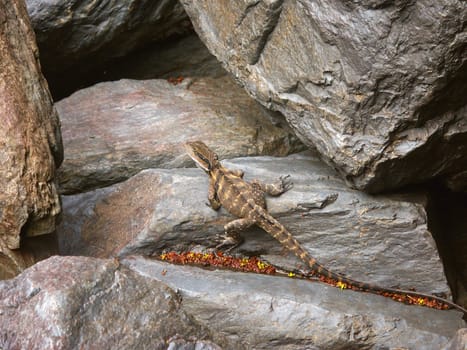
x,y
378,87
378,239
113,130
459,342
264,312
139,303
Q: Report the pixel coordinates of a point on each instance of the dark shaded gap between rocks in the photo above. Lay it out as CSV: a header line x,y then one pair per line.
x,y
63,83
447,220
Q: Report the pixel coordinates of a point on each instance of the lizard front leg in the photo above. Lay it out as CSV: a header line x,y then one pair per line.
x,y
275,189
212,197
232,237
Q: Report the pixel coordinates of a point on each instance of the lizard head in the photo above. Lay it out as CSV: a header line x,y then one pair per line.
x,y
202,155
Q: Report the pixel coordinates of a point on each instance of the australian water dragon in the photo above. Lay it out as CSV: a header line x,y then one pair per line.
x,y
246,201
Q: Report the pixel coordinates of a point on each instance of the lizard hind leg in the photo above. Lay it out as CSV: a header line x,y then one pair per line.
x,y
232,237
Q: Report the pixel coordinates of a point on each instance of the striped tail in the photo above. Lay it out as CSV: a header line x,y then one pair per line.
x,y
279,232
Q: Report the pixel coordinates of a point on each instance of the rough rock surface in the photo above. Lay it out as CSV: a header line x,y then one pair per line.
x,y
459,342
115,129
80,302
30,142
77,35
265,312
84,303
378,87
381,239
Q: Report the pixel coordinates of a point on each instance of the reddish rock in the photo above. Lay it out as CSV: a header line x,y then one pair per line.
x,y
113,130
84,303
30,142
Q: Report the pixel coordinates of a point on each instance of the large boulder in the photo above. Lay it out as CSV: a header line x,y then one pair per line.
x,y
378,87
113,130
30,141
265,312
84,303
384,240
140,303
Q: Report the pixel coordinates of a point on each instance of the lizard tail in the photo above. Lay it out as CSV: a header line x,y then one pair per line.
x,y
280,233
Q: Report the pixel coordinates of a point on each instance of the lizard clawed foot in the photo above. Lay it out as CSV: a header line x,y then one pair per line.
x,y
285,183
212,205
229,240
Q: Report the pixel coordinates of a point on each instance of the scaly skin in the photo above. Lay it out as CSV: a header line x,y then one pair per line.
x,y
246,201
